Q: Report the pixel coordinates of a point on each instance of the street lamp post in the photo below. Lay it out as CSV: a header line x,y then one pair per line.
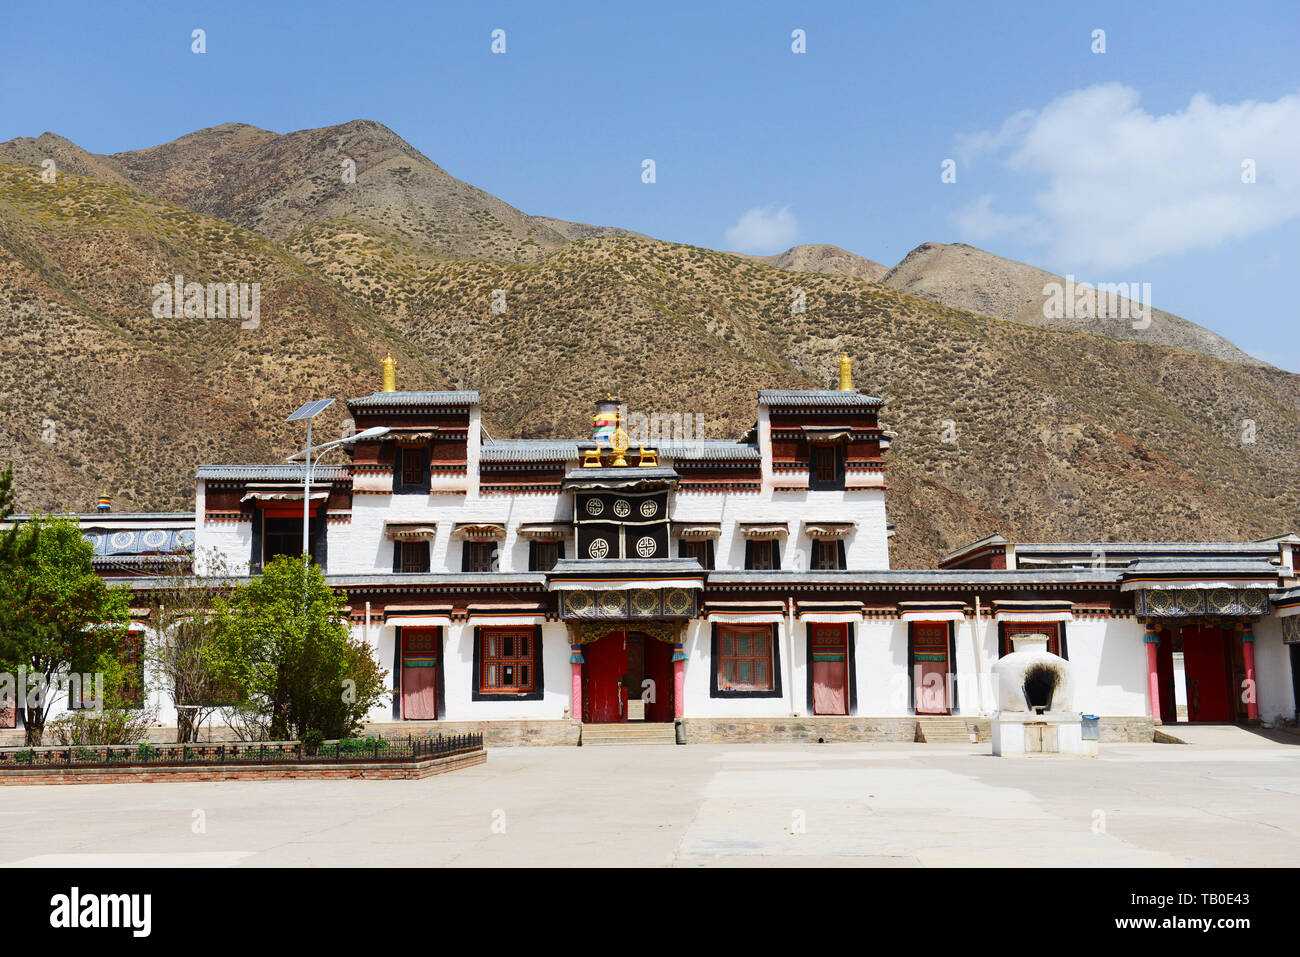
x,y
309,412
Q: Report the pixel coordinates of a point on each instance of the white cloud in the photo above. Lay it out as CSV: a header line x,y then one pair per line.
x,y
764,230
1121,186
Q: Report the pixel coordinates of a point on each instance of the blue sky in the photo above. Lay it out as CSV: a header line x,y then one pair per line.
x,y
1115,166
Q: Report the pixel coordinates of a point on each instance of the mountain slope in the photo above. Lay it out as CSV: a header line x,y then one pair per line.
x,y
964,277
1034,432
827,259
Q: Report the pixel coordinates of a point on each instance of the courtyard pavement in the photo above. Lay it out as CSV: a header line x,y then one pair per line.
x,y
1232,800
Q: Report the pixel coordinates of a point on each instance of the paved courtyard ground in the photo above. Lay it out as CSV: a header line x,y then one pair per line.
x,y
1230,798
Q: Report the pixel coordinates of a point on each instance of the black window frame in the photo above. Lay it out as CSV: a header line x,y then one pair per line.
x,y
539,672
467,550
399,467
714,643
400,554
834,484
774,544
819,551
709,561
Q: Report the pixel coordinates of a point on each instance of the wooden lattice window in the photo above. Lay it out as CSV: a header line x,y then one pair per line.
x,y
745,658
828,556
509,663
699,550
480,556
762,555
414,557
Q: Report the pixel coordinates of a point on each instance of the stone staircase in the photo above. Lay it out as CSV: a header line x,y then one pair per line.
x,y
948,730
630,732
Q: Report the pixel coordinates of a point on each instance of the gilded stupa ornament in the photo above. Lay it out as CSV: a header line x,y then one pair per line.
x,y
846,373
390,373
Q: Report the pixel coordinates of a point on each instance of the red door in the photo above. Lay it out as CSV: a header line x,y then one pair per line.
x,y
420,674
830,669
603,692
1205,661
930,668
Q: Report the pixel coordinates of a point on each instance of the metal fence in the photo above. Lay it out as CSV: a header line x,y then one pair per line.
x,y
348,750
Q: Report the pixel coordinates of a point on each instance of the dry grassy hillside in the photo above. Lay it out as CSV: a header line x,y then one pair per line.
x,y
964,277
1058,434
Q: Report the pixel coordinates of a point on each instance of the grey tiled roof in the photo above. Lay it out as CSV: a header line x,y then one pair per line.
x,y
815,397
564,450
529,450
721,449
274,473
383,399
627,566
1148,548
903,577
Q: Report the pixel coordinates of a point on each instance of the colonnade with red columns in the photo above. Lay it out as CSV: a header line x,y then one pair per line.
x,y
1249,693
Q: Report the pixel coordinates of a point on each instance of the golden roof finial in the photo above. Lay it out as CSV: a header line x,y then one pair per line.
x,y
846,373
390,373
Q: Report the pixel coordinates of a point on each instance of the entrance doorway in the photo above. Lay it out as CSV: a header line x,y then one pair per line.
x,y
627,675
931,668
829,646
1208,658
420,648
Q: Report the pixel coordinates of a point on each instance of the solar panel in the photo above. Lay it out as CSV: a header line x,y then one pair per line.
x,y
311,410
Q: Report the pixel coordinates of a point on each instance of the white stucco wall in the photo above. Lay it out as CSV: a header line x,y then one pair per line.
x,y
1274,690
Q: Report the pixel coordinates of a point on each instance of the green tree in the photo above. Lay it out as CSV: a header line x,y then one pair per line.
x,y
184,650
17,551
59,616
288,653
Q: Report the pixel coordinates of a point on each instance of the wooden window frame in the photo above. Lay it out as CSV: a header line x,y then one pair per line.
x,y
704,545
534,689
773,547
816,481
468,561
835,549
717,688
412,557
536,561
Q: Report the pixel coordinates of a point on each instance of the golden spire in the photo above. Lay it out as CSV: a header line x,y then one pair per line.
x,y
846,373
390,373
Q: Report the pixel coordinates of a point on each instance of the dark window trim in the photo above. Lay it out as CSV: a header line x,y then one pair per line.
x,y
532,553
399,547
775,544
709,554
466,548
776,691
398,467
539,675
837,483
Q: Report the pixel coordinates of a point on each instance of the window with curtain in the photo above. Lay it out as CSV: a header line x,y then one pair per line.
x,y
745,658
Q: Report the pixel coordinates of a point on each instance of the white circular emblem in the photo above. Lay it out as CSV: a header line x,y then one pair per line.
x,y
622,509
645,547
649,507
598,549
595,506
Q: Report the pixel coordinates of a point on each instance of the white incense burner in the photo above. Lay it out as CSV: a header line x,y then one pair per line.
x,y
1034,697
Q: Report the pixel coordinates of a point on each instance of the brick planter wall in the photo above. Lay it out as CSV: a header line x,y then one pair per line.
x,y
370,771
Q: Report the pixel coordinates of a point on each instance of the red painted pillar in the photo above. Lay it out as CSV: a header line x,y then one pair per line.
x,y
679,681
575,667
1248,658
1153,677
